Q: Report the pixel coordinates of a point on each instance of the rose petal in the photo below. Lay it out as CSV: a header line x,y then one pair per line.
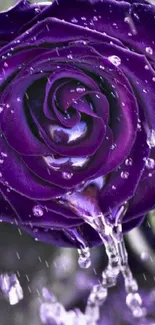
x,y
122,20
14,118
21,179
15,18
27,215
123,182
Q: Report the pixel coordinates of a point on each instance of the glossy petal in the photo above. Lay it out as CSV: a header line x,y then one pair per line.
x,y
15,18
20,179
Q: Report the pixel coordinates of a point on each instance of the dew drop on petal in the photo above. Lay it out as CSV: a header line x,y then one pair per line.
x,y
124,175
115,60
128,162
80,89
66,175
38,211
149,163
74,20
149,50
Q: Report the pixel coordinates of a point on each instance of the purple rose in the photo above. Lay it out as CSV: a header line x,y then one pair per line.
x,y
77,113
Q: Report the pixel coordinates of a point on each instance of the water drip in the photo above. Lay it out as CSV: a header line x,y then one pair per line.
x,y
84,258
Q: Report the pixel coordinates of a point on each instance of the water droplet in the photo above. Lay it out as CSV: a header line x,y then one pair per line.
x,y
124,175
5,64
114,60
134,302
146,67
84,258
70,56
66,175
80,89
11,288
38,211
144,256
128,162
149,163
1,109
3,154
151,138
102,67
74,20
149,50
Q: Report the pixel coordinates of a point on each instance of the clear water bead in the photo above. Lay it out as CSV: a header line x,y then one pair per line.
x,y
149,50
115,60
38,211
11,288
124,175
149,163
128,162
80,89
66,175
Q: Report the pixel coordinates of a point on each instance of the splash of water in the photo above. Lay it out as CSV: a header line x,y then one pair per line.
x,y
84,203
11,288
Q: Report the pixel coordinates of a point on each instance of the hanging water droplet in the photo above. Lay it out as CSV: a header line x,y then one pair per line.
x,y
11,288
124,175
149,50
114,59
134,302
38,211
84,258
128,162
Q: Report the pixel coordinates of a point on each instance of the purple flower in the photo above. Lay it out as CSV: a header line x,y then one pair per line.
x,y
77,108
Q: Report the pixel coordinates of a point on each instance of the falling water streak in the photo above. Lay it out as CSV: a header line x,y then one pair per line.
x,y
112,239
133,298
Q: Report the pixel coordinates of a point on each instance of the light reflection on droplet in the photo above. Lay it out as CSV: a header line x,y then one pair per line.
x,y
114,59
38,211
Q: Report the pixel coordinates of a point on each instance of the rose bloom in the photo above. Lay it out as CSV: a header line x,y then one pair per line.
x,y
77,116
